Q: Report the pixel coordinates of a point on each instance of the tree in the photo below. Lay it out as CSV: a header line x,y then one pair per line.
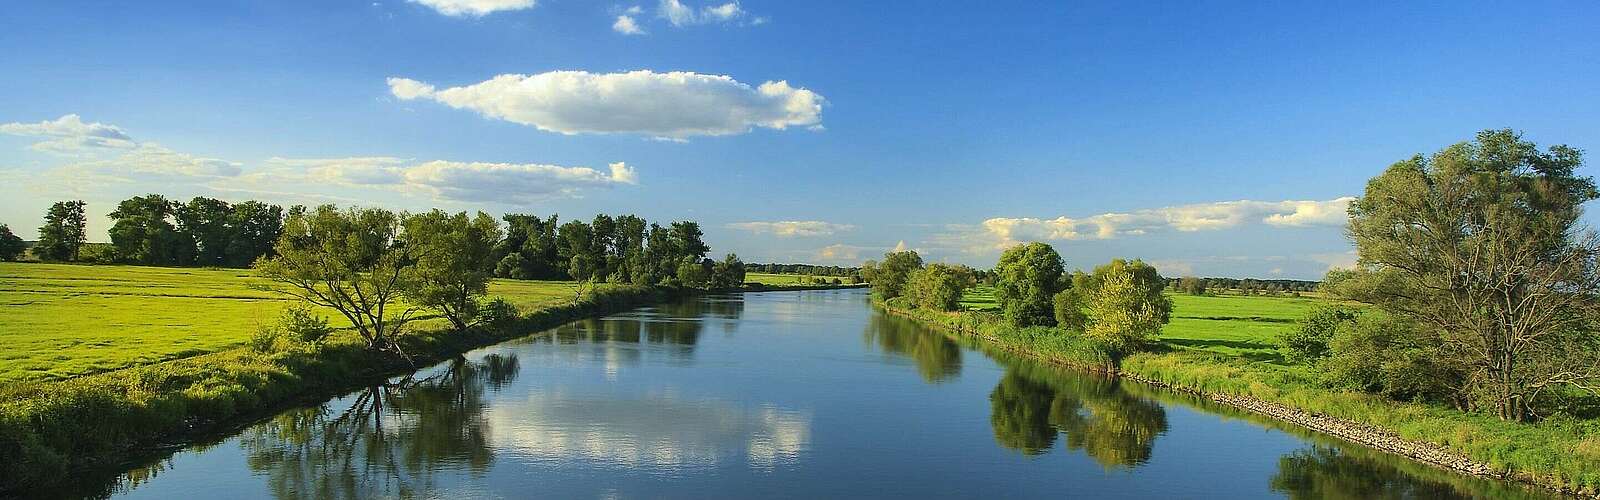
x,y
660,262
1192,285
529,250
453,262
688,241
1029,278
11,245
728,273
351,261
694,272
629,251
868,270
143,233
936,286
203,227
63,232
1125,306
253,228
603,242
576,249
889,277
1480,244
1308,343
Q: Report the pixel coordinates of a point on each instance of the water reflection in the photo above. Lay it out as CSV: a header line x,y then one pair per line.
x,y
658,433
1032,406
390,441
938,358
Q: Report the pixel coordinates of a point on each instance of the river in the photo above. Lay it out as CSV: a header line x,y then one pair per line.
x,y
790,394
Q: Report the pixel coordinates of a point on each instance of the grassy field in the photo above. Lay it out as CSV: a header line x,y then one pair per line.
x,y
1234,325
61,321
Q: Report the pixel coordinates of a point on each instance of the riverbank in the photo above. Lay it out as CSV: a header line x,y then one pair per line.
x,y
1561,455
50,429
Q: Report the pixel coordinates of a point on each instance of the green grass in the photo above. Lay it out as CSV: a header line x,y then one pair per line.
x,y
60,321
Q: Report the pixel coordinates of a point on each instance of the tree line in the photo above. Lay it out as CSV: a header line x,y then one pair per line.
x,y
1120,306
808,269
1249,286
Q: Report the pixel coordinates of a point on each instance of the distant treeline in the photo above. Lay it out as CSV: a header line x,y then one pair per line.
x,y
153,230
1193,285
809,269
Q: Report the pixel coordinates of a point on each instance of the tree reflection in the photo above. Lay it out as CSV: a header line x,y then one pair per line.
x,y
388,442
1327,472
938,358
1115,428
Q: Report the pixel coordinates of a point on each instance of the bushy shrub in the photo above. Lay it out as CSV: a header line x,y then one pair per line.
x,y
498,314
1069,310
304,325
1029,277
1389,356
1308,343
935,287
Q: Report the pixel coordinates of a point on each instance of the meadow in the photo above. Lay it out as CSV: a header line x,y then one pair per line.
x,y
1245,326
773,279
60,321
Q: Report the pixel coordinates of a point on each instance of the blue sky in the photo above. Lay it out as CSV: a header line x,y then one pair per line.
x,y
1215,138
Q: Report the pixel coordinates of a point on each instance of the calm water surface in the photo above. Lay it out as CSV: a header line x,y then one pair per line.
x,y
793,394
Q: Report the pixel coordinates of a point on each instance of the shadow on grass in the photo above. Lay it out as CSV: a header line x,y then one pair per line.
x,y
1252,351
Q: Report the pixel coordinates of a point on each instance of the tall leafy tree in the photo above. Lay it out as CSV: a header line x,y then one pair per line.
x,y
142,232
577,250
688,241
11,245
203,225
253,228
629,250
63,233
529,250
1126,305
604,244
453,255
1480,243
661,261
349,260
890,276
728,272
936,286
1030,275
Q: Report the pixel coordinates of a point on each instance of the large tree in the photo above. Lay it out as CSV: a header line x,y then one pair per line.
x,y
350,260
453,262
11,245
1029,278
1126,307
253,228
529,248
142,232
203,224
63,232
1480,242
890,276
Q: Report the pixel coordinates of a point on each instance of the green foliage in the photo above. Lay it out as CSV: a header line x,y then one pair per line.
x,y
1029,277
63,232
1123,314
1192,285
528,251
693,272
728,273
11,245
935,287
1309,342
889,277
1479,241
351,261
142,232
452,258
1389,356
1068,306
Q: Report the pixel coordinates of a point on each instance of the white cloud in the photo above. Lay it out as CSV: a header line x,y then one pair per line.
x,y
1007,231
474,8
674,105
790,228
626,25
839,252
509,183
69,135
678,14
152,162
